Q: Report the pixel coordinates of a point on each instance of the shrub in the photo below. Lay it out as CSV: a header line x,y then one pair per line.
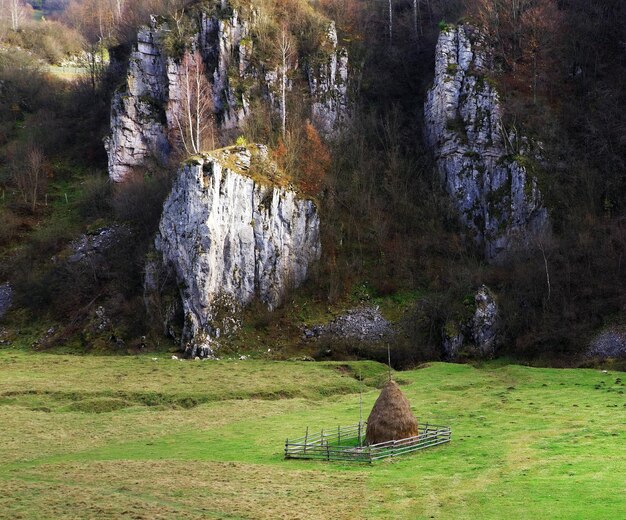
x,y
94,200
139,200
51,41
9,227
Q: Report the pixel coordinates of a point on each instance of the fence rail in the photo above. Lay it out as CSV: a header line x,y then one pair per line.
x,y
346,443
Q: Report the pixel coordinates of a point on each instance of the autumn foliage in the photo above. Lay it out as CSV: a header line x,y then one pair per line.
x,y
314,162
525,35
305,157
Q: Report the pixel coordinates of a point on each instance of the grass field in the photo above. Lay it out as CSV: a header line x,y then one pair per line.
x,y
131,437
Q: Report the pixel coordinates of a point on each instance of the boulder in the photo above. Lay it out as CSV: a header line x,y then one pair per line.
x,y
479,336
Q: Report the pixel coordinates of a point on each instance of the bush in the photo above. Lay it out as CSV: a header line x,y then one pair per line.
x,y
51,41
94,200
9,227
139,200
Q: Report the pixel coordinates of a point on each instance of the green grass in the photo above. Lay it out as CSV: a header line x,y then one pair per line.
x,y
130,437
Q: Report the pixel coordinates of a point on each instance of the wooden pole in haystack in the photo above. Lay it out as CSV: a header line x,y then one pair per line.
x,y
360,405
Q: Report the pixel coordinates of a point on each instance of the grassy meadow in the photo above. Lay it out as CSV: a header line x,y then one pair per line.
x,y
135,437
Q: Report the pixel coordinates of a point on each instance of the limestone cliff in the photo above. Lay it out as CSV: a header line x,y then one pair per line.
x,y
232,237
138,129
484,168
226,46
143,112
328,83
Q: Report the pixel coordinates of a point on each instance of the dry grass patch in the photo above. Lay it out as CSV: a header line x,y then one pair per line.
x,y
173,489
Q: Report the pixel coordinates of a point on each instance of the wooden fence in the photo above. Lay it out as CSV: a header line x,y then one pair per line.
x,y
347,443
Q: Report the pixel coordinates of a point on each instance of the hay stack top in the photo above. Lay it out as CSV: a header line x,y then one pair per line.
x,y
391,418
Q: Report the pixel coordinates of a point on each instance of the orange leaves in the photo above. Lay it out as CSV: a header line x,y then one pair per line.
x,y
314,162
306,158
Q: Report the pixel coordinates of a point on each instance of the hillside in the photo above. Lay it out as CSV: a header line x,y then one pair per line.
x,y
443,183
161,438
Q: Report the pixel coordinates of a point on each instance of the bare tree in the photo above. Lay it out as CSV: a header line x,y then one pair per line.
x,y
17,12
119,7
390,21
3,18
194,117
285,47
417,19
30,176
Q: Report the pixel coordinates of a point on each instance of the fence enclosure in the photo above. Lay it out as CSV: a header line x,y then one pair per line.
x,y
347,443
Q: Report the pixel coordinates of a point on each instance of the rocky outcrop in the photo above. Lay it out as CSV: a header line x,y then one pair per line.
x,y
232,236
480,335
328,83
138,112
486,170
143,113
226,46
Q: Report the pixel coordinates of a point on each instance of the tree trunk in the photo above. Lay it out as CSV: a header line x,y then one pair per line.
x,y
390,22
285,54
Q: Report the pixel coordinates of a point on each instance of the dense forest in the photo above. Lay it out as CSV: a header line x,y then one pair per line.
x,y
390,236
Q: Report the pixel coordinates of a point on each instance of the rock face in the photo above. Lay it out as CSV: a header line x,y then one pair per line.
x,y
231,239
138,112
479,336
485,170
226,46
143,113
328,83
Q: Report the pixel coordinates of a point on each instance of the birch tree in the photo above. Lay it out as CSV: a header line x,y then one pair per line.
x,y
417,18
194,118
17,12
3,18
119,7
30,176
285,47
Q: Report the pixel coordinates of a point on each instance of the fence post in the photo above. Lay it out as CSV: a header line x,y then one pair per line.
x,y
327,451
306,438
339,435
287,447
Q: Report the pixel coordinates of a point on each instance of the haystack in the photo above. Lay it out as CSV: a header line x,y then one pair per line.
x,y
391,418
